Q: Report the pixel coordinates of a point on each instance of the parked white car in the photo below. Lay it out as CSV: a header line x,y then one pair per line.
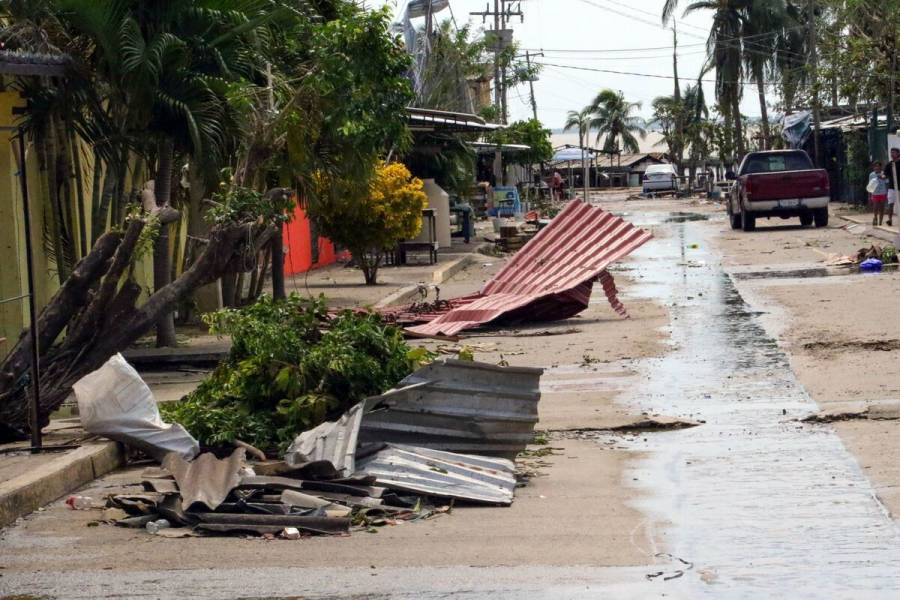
x,y
660,179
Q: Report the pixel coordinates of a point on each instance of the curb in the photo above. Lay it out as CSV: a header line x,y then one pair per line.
x,y
26,493
879,231
440,275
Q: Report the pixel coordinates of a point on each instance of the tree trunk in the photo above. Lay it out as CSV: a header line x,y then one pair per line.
x,y
278,291
738,127
764,111
162,264
95,197
107,321
229,285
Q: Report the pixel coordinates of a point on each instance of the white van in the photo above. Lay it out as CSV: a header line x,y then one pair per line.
x,y
660,178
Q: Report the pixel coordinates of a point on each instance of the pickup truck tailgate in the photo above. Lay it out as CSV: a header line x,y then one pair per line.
x,y
787,184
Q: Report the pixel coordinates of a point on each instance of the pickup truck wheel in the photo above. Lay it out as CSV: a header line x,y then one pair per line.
x,y
821,217
806,219
735,220
749,222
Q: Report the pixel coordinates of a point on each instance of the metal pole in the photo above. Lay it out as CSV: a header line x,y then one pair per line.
x,y
34,418
531,85
498,157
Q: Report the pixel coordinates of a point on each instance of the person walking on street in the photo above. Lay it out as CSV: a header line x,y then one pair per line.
x,y
892,173
877,187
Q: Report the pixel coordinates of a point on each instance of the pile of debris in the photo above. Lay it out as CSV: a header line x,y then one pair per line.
x,y
446,434
514,236
871,256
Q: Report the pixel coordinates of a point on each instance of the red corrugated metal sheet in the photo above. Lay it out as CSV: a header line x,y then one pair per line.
x,y
552,276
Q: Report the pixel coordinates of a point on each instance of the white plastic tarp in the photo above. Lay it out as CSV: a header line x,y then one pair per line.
x,y
114,402
796,128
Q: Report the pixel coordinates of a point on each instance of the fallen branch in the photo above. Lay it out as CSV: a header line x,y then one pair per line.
x,y
99,311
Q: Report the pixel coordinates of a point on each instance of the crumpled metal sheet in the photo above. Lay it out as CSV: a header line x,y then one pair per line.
x,y
442,474
205,480
334,442
458,406
552,276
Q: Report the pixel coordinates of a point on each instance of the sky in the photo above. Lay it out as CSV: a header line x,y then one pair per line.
x,y
614,35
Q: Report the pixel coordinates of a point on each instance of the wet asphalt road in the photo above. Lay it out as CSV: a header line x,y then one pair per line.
x,y
757,504
760,505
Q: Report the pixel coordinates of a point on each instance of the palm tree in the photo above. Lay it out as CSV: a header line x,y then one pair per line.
x,y
790,55
764,20
726,55
668,115
580,120
614,121
163,72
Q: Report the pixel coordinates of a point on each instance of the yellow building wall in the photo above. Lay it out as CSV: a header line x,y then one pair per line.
x,y
13,268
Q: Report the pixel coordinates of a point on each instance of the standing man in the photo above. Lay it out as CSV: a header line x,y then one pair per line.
x,y
892,173
556,184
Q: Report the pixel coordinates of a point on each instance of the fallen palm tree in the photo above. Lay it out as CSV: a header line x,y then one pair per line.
x,y
98,307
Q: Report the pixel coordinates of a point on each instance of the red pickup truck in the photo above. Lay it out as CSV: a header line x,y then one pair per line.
x,y
778,183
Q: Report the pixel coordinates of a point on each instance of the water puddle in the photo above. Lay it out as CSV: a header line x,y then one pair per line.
x,y
685,217
760,505
809,273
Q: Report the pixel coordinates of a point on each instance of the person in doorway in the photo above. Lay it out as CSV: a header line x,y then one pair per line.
x,y
892,174
878,186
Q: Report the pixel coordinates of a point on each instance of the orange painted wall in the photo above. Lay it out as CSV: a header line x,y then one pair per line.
x,y
298,243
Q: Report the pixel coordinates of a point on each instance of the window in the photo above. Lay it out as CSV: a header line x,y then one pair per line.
x,y
784,161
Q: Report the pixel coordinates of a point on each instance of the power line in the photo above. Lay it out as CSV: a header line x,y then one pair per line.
x,y
649,75
646,57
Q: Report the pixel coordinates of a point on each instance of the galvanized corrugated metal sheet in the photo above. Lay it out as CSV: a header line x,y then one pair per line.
x,y
458,406
334,442
442,474
551,277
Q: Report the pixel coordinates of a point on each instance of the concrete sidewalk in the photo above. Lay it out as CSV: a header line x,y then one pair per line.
x,y
29,481
882,232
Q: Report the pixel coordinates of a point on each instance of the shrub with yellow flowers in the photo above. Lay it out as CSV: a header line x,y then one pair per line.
x,y
371,223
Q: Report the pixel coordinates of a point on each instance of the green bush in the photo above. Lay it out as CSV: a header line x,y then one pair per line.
x,y
291,367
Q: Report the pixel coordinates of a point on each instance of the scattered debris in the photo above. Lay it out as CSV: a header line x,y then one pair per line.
x,y
114,402
884,410
887,345
656,423
356,470
551,278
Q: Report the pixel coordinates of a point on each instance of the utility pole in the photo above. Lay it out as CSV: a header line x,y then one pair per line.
x,y
814,63
679,112
500,13
531,82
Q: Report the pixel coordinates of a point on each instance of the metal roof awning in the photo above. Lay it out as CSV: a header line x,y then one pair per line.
x,y
573,154
31,64
427,120
488,148
852,122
